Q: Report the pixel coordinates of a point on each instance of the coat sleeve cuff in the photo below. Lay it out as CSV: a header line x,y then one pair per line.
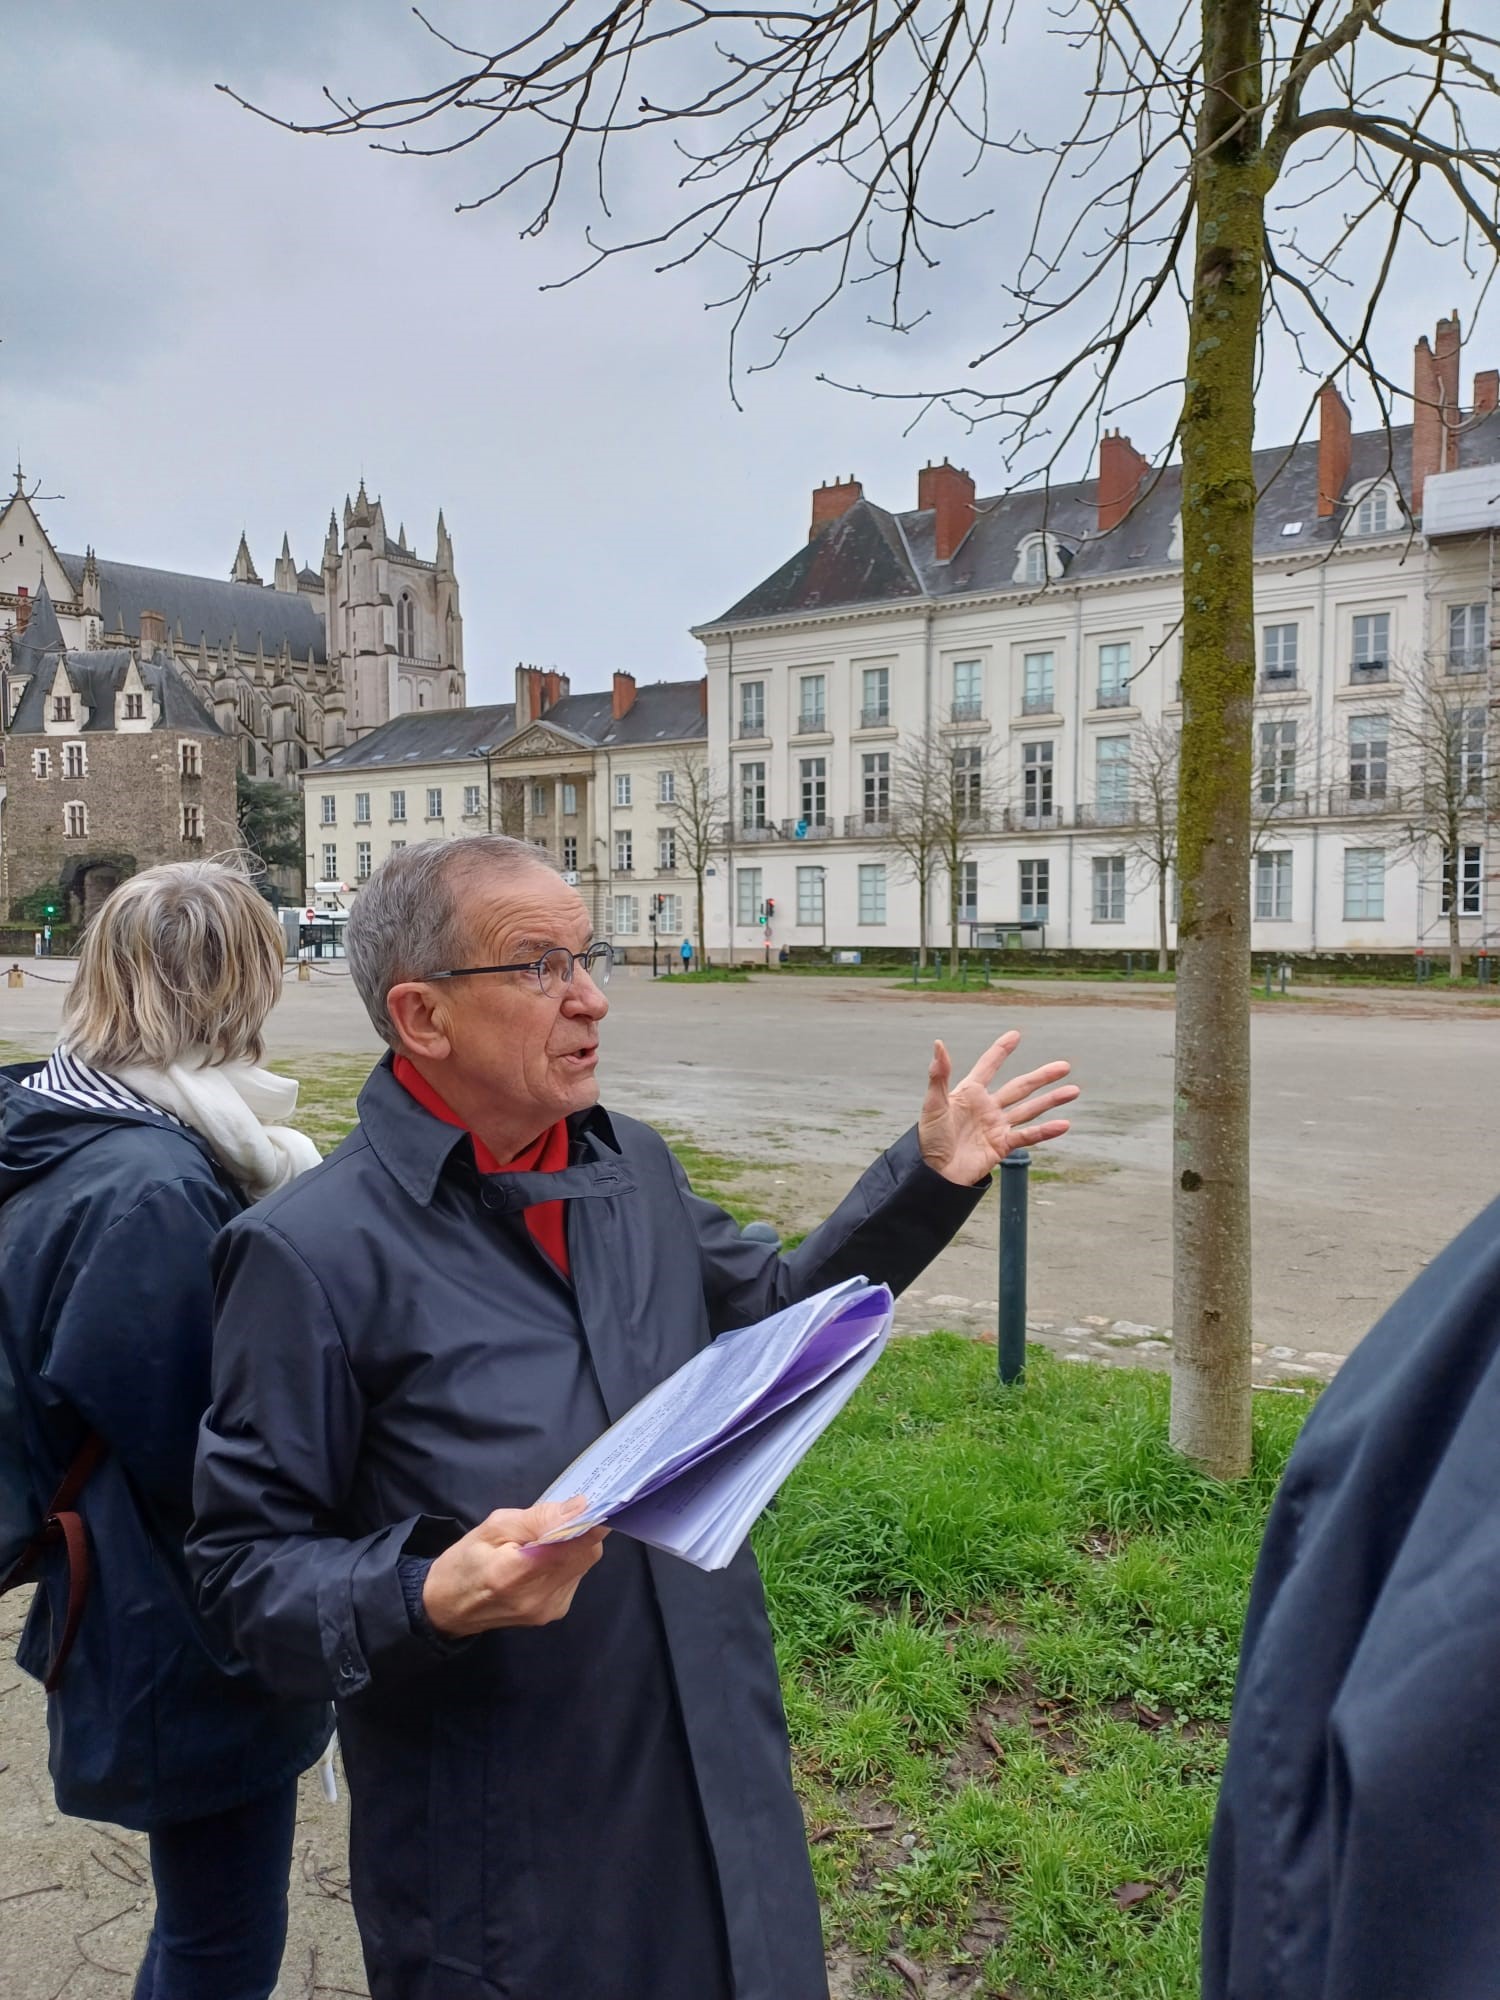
x,y
364,1625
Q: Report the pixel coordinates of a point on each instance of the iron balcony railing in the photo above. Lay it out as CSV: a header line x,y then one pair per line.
x,y
1468,659
744,833
1365,797
1110,812
1278,680
817,827
967,708
1361,672
1022,819
1113,697
813,723
875,718
872,824
753,726
1037,703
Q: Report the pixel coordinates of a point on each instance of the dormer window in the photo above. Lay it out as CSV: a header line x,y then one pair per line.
x,y
62,708
1374,511
1039,559
134,708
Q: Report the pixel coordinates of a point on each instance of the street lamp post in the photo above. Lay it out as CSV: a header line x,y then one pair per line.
x,y
485,750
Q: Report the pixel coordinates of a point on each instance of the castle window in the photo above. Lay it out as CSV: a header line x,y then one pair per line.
x,y
62,708
134,710
398,805
329,808
361,808
190,756
75,820
192,822
75,761
406,626
41,763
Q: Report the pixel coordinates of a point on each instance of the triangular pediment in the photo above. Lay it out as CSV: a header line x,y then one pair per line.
x,y
544,739
27,555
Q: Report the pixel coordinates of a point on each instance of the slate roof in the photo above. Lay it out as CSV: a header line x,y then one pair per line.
x,y
663,712
871,557
96,678
203,607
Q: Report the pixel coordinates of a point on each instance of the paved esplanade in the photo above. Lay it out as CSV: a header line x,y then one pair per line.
x,y
1370,1127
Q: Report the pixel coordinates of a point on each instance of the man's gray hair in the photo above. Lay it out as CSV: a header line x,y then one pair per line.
x,y
409,920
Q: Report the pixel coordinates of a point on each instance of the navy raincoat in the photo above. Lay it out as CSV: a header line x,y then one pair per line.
x,y
107,1220
1356,1854
602,1806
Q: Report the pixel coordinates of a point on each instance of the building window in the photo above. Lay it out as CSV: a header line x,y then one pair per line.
x,y
812,709
434,801
666,850
813,784
1036,884
328,807
569,799
746,895
361,860
624,852
627,915
190,759
41,763
1372,647
1109,888
1278,654
1469,878
1364,884
1034,565
666,788
875,698
471,802
1373,514
75,761
968,691
1112,777
752,797
810,896
361,808
398,847
1468,637
1369,752
406,626
1278,762
62,708
875,768
539,801
968,892
134,709
192,822
1036,780
872,892
1114,674
330,862
398,805
1036,684
570,852
75,820
1467,727
752,708
622,789
968,783
1273,885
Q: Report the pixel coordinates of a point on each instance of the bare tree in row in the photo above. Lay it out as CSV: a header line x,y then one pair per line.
x,y
700,801
1198,175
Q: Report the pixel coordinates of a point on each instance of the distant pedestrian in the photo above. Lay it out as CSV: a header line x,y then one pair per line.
x,y
687,954
120,1161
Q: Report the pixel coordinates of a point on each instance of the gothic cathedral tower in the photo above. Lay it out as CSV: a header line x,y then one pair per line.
x,y
395,630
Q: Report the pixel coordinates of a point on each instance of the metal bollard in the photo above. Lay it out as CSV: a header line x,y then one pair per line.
x,y
1268,979
1014,1176
915,967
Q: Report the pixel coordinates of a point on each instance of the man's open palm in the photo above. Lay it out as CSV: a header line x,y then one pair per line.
x,y
968,1129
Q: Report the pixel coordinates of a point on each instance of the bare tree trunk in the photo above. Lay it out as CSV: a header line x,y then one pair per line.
x,y
1455,943
1211,1165
702,933
1161,920
952,926
924,881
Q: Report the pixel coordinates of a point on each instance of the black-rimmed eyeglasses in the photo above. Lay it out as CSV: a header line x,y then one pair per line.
x,y
553,970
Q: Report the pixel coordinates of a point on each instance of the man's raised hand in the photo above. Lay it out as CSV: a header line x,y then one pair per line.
x,y
496,1575
967,1129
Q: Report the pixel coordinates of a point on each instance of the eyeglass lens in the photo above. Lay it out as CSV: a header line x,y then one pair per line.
x,y
556,967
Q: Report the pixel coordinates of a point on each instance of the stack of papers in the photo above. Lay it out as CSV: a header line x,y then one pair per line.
x,y
691,1467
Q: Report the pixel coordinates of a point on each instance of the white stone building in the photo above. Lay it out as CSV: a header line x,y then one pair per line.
x,y
590,778
1037,636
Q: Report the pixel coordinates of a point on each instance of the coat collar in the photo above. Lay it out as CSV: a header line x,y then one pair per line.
x,y
415,1148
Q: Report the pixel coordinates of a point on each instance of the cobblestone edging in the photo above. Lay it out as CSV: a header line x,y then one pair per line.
x,y
1123,1342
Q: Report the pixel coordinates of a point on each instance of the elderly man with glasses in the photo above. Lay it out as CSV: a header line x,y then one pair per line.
x,y
568,1766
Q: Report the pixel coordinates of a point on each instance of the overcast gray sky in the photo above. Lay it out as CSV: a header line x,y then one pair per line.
x,y
209,325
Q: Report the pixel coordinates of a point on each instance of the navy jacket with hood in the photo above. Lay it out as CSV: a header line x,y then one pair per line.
x,y
106,1312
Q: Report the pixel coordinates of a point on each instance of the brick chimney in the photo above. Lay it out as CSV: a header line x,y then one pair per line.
x,y
555,688
1121,470
950,494
703,695
1486,391
153,631
23,608
623,699
528,695
830,502
1435,406
1333,448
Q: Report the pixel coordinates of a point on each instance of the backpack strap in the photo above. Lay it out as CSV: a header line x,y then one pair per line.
x,y
63,1523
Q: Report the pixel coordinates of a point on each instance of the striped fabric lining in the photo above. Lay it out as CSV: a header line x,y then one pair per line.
x,y
75,1082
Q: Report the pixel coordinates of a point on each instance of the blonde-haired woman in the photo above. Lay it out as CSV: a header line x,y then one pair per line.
x,y
120,1161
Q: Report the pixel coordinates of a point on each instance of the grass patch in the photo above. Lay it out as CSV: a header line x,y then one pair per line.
x,y
1007,1623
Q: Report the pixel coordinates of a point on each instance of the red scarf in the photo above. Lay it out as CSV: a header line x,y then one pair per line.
x,y
546,1155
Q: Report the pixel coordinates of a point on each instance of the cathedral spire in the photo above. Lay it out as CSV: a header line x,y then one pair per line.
x,y
244,567
285,577
331,539
444,546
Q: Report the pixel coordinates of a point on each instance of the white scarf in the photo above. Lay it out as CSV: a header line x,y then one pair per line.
x,y
231,1105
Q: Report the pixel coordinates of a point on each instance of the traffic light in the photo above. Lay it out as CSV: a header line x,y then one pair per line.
x,y
49,909
770,908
